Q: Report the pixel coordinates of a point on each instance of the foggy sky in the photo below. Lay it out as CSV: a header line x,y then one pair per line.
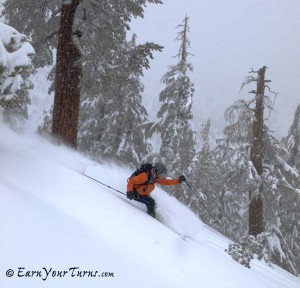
x,y
228,37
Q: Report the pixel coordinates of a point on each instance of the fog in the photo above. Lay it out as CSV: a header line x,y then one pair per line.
x,y
228,38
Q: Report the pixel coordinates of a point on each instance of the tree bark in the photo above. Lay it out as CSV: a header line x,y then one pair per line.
x,y
256,151
256,217
67,80
256,202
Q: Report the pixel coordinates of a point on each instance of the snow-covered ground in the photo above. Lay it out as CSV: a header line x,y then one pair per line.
x,y
56,224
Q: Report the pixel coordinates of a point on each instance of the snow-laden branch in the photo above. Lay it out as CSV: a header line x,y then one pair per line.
x,y
15,54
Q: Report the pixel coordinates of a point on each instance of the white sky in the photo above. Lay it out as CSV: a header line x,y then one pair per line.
x,y
228,37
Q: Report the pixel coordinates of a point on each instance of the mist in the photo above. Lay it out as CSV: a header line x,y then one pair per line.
x,y
228,38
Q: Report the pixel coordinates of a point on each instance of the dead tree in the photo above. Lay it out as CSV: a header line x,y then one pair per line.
x,y
182,36
256,154
257,144
67,79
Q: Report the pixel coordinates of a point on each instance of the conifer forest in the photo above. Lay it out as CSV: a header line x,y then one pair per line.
x,y
245,182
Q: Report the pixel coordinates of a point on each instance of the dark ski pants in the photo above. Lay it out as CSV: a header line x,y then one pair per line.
x,y
149,201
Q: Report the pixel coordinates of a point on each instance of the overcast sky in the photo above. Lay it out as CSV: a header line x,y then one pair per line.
x,y
228,37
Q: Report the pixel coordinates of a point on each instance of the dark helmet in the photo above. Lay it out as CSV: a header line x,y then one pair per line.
x,y
159,168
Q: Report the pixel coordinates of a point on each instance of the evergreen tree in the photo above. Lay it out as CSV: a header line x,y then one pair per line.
x,y
281,202
113,119
173,119
15,67
204,179
285,194
292,141
280,194
115,122
99,31
40,20
236,173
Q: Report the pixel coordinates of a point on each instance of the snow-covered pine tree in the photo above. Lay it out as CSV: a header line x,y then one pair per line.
x,y
204,178
238,176
115,123
173,119
292,141
100,29
283,176
16,55
282,206
42,28
280,192
113,120
102,26
236,173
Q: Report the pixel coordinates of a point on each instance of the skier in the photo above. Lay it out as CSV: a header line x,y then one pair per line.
x,y
142,184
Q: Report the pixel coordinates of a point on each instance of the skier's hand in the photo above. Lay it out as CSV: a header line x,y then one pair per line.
x,y
181,178
130,195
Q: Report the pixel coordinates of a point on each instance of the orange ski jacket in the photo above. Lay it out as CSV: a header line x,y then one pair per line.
x,y
139,183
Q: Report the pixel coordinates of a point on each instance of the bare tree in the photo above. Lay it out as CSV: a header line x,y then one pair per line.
x,y
183,53
256,153
67,79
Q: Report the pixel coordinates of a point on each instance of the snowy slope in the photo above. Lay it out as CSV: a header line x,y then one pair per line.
x,y
54,219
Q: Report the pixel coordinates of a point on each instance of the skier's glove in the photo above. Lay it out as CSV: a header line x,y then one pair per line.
x,y
130,195
181,178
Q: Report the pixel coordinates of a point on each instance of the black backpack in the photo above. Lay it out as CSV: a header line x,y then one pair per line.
x,y
146,167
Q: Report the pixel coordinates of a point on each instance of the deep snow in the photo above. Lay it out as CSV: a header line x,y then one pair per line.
x,y
53,217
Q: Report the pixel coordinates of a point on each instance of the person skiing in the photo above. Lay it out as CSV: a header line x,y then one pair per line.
x,y
141,185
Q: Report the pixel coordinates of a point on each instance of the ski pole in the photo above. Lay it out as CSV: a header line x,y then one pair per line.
x,y
188,185
215,220
105,184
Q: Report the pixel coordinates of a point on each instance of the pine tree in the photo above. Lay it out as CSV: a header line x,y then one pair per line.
x,y
173,119
113,120
115,123
15,67
292,141
281,205
203,179
285,194
236,173
277,184
238,176
99,30
42,27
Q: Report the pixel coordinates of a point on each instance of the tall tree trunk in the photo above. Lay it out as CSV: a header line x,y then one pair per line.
x,y
256,217
67,80
256,202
